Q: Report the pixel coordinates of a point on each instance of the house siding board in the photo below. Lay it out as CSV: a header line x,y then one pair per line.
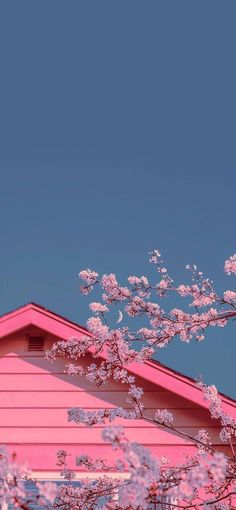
x,y
44,458
80,398
47,417
55,434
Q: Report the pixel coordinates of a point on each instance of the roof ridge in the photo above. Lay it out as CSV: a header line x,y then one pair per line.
x,y
46,309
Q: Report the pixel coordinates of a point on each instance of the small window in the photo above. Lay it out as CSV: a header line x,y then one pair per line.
x,y
35,343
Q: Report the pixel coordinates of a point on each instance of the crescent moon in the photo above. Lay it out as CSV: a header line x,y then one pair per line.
x,y
120,317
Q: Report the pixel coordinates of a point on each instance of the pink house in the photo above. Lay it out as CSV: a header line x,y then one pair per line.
x,y
36,394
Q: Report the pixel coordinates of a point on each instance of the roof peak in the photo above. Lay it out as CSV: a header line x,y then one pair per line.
x,y
34,305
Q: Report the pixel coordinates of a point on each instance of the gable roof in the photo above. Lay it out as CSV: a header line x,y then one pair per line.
x,y
41,317
63,328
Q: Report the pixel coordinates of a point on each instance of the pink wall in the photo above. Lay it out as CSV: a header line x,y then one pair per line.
x,y
35,395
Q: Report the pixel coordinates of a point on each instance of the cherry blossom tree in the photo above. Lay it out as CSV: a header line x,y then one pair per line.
x,y
207,479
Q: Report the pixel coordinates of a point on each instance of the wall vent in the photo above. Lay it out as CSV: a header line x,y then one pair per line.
x,y
35,343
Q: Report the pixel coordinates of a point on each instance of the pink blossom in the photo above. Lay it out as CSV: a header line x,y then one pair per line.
x,y
164,417
135,280
203,439
114,292
150,335
72,348
97,328
218,466
154,256
163,284
113,435
88,276
225,435
144,281
48,490
136,306
85,290
230,265
98,308
230,296
185,490
184,290
203,300
73,369
135,392
152,308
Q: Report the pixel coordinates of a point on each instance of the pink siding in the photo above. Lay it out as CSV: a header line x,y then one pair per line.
x,y
37,457
56,434
46,417
35,395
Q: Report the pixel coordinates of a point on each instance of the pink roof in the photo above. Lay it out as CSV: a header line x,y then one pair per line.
x,y
153,371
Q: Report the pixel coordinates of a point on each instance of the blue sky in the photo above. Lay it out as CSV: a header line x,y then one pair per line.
x,y
117,135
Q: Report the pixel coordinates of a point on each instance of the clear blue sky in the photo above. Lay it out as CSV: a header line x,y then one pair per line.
x,y
117,134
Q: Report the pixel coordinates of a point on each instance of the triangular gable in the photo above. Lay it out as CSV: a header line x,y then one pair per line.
x,y
152,371
37,315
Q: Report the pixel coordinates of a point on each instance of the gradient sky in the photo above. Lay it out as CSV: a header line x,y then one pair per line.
x,y
117,135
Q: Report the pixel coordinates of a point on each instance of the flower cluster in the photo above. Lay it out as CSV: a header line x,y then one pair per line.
x,y
203,440
97,328
215,407
136,280
164,417
230,265
101,416
210,470
90,278
98,308
13,487
48,490
230,296
203,480
113,291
